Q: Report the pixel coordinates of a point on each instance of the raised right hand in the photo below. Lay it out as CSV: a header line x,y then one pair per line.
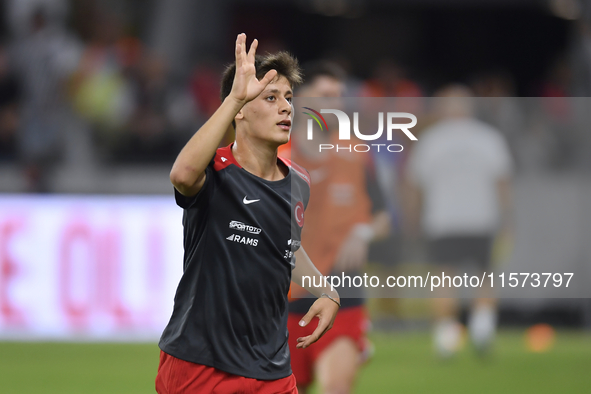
x,y
246,86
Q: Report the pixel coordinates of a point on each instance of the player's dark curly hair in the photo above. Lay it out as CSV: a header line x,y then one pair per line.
x,y
285,64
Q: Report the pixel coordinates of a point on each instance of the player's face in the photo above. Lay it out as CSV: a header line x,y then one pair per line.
x,y
268,117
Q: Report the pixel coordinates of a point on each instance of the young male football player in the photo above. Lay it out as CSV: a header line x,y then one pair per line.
x,y
243,215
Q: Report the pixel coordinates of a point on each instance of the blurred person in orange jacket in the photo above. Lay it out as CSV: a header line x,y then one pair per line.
x,y
347,212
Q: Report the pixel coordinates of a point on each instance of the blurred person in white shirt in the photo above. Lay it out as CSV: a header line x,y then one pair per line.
x,y
44,58
458,189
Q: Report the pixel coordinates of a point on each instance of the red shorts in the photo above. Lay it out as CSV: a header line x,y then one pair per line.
x,y
350,322
177,376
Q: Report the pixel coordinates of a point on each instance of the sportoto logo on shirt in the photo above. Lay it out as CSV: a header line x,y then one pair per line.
x,y
345,130
236,225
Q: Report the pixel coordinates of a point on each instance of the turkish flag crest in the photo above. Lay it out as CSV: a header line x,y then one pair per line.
x,y
299,213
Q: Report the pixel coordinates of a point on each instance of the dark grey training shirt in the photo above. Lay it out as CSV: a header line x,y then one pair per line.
x,y
230,308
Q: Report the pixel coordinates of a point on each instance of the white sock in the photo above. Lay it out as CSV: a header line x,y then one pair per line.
x,y
447,337
482,326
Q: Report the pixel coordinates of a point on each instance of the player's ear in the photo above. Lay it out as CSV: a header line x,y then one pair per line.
x,y
239,115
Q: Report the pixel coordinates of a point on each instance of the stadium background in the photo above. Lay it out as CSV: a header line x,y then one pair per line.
x,y
97,102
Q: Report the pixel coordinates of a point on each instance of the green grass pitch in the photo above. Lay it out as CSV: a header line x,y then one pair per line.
x,y
402,363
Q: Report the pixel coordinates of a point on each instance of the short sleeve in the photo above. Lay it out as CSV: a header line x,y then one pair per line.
x,y
188,202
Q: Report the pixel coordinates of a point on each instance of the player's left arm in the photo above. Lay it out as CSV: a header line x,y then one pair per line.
x,y
325,307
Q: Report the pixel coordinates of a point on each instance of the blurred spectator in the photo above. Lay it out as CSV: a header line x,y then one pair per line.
x,y
126,93
9,108
205,92
458,185
101,90
19,14
205,87
147,136
44,59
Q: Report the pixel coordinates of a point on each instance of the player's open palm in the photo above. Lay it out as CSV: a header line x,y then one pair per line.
x,y
246,86
326,311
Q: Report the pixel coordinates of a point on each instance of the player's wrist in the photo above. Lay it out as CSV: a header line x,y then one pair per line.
x,y
235,102
334,297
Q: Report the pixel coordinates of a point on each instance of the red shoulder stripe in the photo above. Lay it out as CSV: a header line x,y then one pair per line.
x,y
223,158
301,171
